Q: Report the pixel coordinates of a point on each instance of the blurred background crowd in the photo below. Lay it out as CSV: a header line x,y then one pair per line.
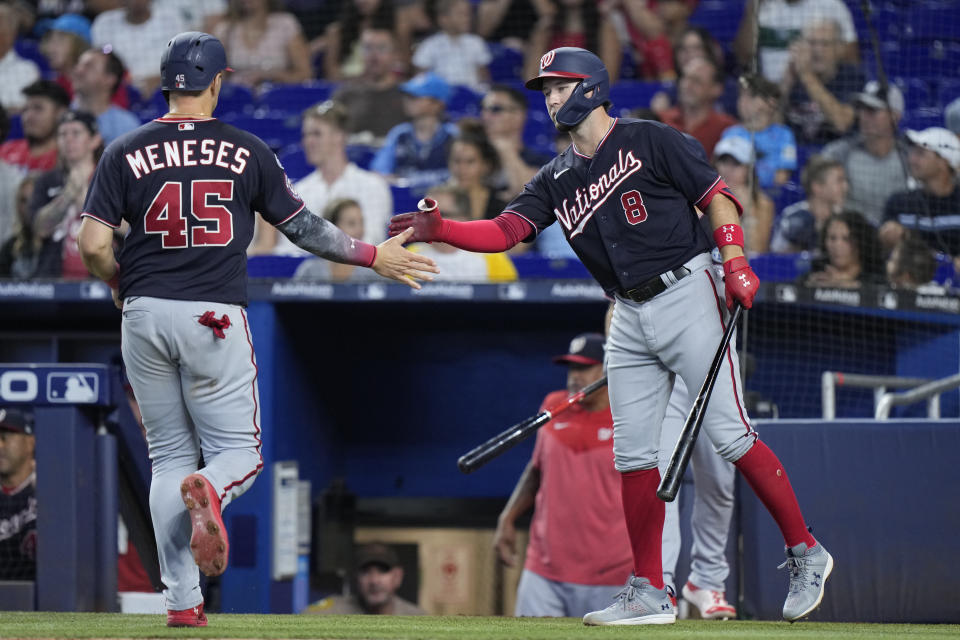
x,y
834,122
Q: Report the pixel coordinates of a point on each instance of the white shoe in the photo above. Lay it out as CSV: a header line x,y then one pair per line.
x,y
638,603
712,605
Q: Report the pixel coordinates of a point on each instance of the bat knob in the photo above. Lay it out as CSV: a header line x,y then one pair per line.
x,y
464,465
666,494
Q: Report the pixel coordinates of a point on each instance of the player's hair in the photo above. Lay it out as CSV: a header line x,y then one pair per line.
x,y
47,89
915,263
329,111
473,134
335,208
863,238
816,170
517,97
460,197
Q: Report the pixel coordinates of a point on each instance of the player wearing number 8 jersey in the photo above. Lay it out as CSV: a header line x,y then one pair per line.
x,y
626,194
188,186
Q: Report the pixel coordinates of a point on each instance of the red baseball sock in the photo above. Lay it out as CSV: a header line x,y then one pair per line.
x,y
766,476
644,512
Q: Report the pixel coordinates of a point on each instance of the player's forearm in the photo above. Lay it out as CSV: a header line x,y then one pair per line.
x,y
321,238
524,494
484,236
722,211
95,242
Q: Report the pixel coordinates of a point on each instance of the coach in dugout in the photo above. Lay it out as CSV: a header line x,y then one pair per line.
x,y
378,577
18,501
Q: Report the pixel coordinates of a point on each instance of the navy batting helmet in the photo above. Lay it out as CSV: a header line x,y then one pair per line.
x,y
191,61
573,62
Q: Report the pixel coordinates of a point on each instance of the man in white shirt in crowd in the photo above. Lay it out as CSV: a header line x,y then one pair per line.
x,y
16,72
325,146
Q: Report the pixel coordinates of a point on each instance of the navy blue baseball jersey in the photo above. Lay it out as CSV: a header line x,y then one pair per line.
x,y
628,212
188,188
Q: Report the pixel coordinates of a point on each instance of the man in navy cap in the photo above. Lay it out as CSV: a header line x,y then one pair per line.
x,y
579,552
18,501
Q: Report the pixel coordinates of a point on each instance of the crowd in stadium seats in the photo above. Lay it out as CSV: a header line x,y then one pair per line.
x,y
806,115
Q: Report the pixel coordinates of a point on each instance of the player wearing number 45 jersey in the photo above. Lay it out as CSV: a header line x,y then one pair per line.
x,y
626,194
188,186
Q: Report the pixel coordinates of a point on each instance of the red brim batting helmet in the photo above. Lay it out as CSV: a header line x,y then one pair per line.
x,y
191,61
575,64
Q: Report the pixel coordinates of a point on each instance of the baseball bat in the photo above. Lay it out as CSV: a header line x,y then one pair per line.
x,y
506,440
670,483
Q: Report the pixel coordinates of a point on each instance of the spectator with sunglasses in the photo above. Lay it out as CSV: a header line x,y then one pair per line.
x,y
503,112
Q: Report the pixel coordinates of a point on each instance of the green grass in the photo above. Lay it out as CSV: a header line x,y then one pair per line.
x,y
106,625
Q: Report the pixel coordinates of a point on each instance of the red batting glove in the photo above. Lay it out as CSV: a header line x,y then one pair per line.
x,y
427,223
740,282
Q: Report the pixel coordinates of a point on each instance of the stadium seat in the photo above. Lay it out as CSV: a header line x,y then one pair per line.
x,y
627,95
539,132
720,17
507,63
403,199
932,21
273,266
916,92
30,50
235,98
949,91
785,195
294,162
294,98
464,102
277,131
361,155
16,128
919,119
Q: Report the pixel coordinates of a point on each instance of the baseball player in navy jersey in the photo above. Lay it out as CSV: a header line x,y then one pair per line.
x,y
626,194
188,186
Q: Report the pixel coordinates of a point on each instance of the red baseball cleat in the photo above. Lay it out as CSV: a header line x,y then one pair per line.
x,y
192,617
209,538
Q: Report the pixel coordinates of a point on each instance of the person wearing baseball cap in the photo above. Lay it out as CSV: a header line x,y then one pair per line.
x,y
416,151
579,554
18,502
929,212
379,575
872,157
735,160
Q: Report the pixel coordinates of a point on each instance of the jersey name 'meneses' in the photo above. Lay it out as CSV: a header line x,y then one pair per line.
x,y
628,211
189,189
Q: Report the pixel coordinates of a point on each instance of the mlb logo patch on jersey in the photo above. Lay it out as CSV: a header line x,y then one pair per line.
x,y
79,388
185,126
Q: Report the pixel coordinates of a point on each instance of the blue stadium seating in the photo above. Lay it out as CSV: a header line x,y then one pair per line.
x,y
721,17
277,132
294,98
361,155
403,199
539,132
16,128
294,162
30,50
464,102
916,92
949,90
932,21
507,63
627,95
785,195
922,118
235,98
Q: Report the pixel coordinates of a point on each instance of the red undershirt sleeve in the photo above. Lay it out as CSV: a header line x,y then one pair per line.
x,y
486,236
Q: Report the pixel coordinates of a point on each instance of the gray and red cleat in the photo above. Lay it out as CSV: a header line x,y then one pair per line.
x,y
208,542
192,617
712,605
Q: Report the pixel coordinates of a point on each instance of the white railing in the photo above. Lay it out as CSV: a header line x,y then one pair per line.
x,y
830,380
930,392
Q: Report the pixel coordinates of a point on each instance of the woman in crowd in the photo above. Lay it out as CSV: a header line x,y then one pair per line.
x,y
264,44
850,253
473,162
346,214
